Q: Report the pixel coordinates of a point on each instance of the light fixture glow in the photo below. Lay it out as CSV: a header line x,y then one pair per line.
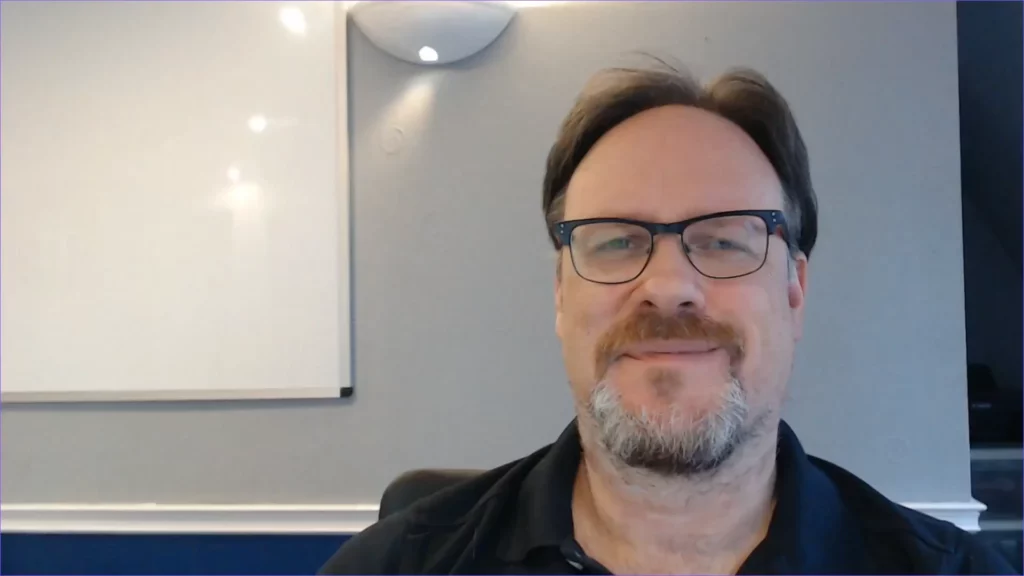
x,y
234,174
535,3
432,32
428,54
293,20
258,123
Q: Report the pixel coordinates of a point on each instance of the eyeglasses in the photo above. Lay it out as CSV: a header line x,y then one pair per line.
x,y
721,245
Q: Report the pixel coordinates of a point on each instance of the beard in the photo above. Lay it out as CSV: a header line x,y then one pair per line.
x,y
670,441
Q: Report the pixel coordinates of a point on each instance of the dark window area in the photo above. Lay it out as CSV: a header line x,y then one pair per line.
x,y
991,59
990,63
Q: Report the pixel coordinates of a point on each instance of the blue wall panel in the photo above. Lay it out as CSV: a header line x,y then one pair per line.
x,y
164,554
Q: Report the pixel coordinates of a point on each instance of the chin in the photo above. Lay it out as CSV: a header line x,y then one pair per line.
x,y
669,437
674,398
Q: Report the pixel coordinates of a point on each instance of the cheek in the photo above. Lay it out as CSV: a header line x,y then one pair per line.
x,y
765,319
587,313
749,309
582,326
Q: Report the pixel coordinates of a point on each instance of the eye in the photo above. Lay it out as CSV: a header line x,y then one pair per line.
x,y
720,245
614,244
724,244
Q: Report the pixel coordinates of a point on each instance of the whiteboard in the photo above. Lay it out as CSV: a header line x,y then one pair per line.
x,y
174,208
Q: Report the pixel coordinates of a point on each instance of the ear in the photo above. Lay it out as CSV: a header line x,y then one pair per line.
x,y
797,292
558,296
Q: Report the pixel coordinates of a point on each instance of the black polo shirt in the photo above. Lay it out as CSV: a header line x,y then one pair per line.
x,y
517,519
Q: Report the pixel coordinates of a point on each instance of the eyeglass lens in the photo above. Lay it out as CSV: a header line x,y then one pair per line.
x,y
721,247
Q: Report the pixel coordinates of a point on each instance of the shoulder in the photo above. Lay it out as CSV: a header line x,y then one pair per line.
x,y
430,535
908,540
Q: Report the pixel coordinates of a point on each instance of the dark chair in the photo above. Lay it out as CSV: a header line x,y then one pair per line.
x,y
414,485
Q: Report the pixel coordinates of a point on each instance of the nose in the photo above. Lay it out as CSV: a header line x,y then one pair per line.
x,y
670,283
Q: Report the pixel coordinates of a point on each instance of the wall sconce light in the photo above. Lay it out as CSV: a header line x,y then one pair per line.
x,y
432,33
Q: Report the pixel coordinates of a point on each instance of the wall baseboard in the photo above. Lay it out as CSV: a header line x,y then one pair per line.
x,y
272,518
187,518
963,514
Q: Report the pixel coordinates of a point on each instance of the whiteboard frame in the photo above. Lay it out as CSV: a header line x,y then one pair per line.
x,y
346,387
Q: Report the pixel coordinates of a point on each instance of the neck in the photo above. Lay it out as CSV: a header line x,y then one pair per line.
x,y
643,522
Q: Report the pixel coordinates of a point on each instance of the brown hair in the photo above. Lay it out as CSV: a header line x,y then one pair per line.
x,y
742,96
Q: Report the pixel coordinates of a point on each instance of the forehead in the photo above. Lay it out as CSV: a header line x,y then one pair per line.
x,y
669,164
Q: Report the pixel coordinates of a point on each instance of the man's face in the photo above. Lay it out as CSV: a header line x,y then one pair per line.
x,y
673,371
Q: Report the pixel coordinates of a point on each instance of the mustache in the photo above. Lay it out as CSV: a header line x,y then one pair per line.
x,y
648,326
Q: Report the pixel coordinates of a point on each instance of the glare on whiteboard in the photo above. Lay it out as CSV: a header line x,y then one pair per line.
x,y
293,20
258,123
243,197
245,202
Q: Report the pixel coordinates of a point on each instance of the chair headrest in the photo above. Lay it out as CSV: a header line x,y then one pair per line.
x,y
415,485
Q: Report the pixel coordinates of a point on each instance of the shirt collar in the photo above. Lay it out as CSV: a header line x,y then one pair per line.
x,y
543,510
807,532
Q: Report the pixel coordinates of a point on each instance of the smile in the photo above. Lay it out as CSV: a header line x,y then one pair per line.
x,y
685,351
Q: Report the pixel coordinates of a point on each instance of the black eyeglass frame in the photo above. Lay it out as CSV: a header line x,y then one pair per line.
x,y
774,220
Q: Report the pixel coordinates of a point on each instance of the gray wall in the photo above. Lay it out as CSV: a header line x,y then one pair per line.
x,y
456,363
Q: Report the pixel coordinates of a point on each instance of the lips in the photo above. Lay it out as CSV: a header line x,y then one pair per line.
x,y
669,348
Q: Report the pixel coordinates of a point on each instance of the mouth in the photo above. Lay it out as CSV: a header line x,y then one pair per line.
x,y
673,351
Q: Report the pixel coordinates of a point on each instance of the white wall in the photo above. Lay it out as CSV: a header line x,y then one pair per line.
x,y
456,363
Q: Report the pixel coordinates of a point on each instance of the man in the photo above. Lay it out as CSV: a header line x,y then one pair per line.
x,y
684,217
